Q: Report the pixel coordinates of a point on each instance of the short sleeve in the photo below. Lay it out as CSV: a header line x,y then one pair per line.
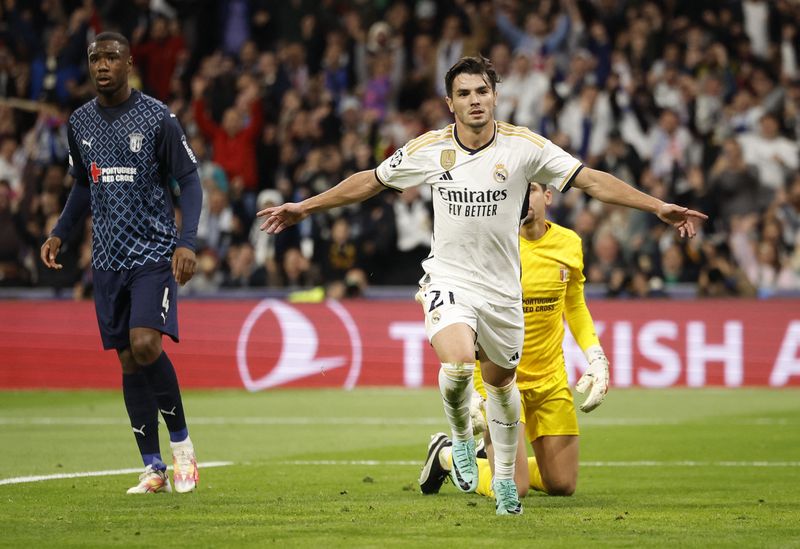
x,y
402,170
173,150
555,167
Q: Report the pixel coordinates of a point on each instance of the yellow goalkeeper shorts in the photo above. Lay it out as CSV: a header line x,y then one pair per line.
x,y
547,409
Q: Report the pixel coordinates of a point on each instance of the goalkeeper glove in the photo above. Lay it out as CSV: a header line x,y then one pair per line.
x,y
476,412
596,376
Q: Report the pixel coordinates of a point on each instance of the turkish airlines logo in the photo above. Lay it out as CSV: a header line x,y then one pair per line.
x,y
297,350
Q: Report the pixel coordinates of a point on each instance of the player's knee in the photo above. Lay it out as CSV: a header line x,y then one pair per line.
x,y
561,487
145,347
127,362
497,376
458,371
454,380
522,489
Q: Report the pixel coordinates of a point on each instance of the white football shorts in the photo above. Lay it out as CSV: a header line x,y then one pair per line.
x,y
500,329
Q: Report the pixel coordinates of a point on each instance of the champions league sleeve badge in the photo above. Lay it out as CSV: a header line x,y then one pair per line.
x,y
135,141
396,158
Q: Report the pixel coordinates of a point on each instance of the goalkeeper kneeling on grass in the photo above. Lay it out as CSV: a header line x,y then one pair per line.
x,y
552,288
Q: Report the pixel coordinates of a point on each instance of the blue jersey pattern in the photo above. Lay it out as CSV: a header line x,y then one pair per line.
x,y
117,154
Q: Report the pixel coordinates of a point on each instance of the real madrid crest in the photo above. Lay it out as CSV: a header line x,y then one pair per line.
x,y
448,159
135,141
500,173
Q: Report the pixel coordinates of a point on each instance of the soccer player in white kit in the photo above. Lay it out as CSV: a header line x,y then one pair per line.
x,y
479,171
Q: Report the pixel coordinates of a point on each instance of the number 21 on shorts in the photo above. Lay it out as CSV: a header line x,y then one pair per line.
x,y
438,299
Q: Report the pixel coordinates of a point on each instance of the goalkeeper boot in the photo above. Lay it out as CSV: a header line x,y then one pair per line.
x,y
506,497
184,466
464,473
433,474
151,481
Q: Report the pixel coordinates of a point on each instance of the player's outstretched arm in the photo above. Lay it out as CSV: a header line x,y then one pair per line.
x,y
356,188
607,188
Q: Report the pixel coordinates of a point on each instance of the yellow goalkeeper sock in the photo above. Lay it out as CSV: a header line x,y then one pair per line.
x,y
535,475
484,478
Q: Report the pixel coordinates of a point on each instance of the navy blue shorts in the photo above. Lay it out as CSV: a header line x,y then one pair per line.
x,y
142,297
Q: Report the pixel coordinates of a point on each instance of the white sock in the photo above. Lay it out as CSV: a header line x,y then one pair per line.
x,y
502,415
455,384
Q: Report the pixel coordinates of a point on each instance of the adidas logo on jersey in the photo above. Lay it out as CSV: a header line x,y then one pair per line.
x,y
514,358
446,176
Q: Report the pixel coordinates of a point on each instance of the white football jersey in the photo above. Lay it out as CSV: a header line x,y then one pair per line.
x,y
477,201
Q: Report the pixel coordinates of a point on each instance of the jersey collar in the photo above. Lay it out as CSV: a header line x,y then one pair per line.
x,y
469,151
110,114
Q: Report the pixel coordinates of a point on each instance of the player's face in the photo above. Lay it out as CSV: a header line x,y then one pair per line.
x,y
539,199
473,100
109,66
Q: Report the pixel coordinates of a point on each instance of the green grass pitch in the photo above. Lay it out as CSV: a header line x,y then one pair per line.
x,y
319,468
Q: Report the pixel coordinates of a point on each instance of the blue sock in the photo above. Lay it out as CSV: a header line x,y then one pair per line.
x,y
155,461
178,436
143,414
164,383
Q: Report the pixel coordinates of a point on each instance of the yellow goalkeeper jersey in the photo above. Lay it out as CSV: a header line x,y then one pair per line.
x,y
552,289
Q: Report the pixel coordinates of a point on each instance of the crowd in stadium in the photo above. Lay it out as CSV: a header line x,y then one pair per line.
x,y
696,102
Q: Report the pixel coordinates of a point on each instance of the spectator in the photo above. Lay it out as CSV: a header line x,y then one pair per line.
x,y
56,72
10,169
11,271
414,221
269,249
243,270
720,276
339,253
521,91
680,100
670,144
734,187
771,154
158,55
297,270
605,258
234,140
216,220
208,278
789,215
537,39
586,120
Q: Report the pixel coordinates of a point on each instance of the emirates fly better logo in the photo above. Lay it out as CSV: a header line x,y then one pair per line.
x,y
280,343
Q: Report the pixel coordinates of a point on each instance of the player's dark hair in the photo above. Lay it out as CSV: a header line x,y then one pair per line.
x,y
112,37
471,65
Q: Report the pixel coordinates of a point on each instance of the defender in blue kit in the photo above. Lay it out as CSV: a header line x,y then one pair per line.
x,y
124,148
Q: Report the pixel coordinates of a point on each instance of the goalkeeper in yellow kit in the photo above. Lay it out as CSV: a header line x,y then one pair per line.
x,y
552,286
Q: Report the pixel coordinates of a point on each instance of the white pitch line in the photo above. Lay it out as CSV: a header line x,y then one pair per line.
x,y
271,420
372,462
59,476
